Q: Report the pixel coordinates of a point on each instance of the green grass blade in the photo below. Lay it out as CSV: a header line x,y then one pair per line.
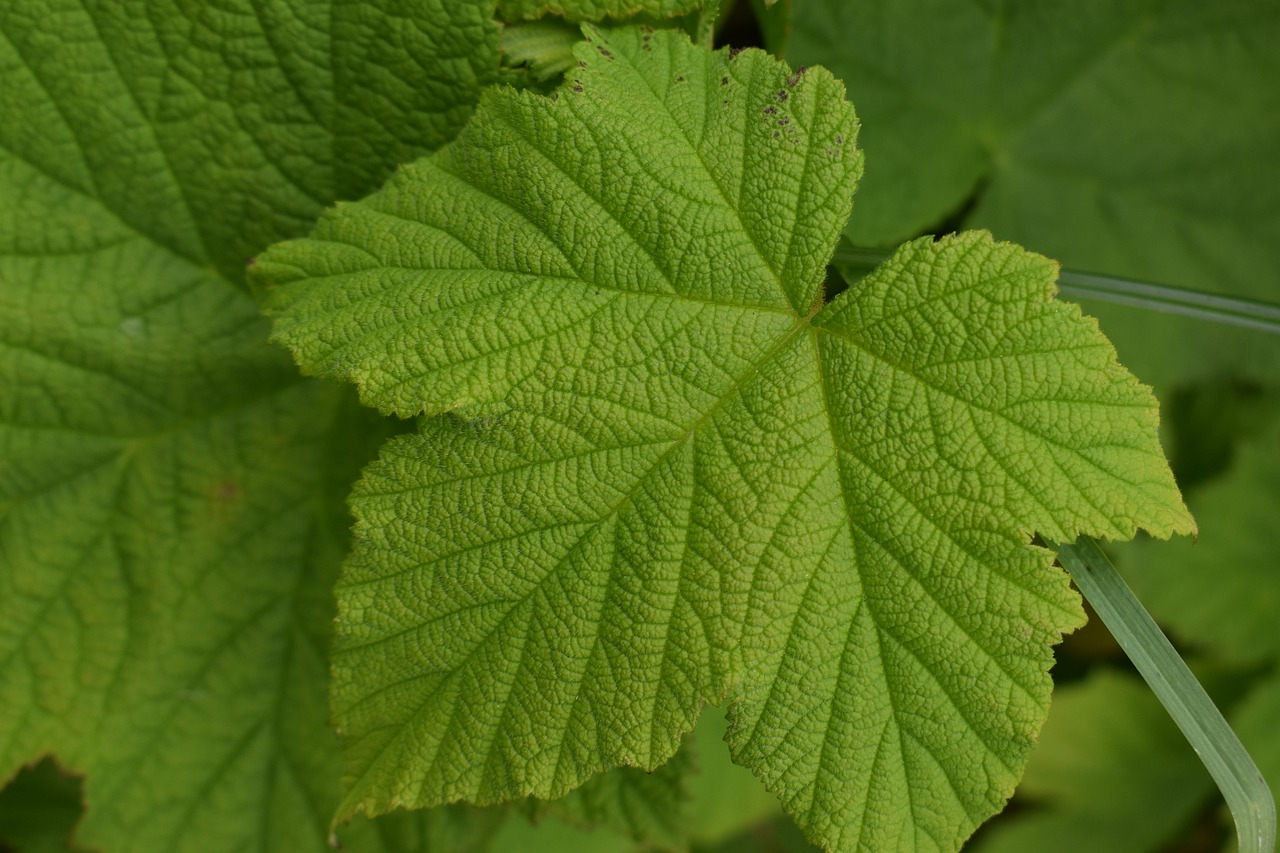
x,y
1173,300
1231,311
1238,778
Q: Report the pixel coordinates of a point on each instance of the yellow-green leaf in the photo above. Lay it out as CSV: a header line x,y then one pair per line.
x,y
672,474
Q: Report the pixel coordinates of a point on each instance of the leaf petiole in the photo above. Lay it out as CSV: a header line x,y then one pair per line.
x,y
1209,734
705,29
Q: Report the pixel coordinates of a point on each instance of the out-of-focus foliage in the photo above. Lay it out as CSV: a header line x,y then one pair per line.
x,y
1111,774
1134,138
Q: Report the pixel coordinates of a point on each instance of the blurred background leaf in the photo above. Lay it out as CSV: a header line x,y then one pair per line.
x,y
39,808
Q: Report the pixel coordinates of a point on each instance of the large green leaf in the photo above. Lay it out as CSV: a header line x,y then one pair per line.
x,y
646,806
1223,591
211,129
1256,722
1135,121
725,800
167,536
1135,138
1111,773
170,491
595,10
674,475
553,836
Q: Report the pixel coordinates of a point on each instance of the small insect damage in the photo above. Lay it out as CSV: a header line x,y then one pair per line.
x,y
775,117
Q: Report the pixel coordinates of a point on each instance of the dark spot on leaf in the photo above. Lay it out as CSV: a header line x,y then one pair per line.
x,y
724,81
577,87
604,51
776,134
224,495
784,121
839,139
581,64
680,79
734,51
795,78
770,111
726,103
782,95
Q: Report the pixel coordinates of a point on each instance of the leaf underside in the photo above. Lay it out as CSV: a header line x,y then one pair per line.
x,y
660,471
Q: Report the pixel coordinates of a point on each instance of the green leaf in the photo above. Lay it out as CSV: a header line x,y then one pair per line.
x,y
1134,138
455,828
673,475
1224,589
545,46
595,10
168,531
1222,593
552,836
38,810
1255,719
1111,773
171,513
724,799
211,130
1134,122
774,18
648,807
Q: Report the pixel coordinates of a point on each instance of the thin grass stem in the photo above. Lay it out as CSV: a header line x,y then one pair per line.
x,y
1231,311
1226,759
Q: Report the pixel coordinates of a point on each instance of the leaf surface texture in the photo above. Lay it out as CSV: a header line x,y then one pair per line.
x,y
662,471
171,492
594,10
